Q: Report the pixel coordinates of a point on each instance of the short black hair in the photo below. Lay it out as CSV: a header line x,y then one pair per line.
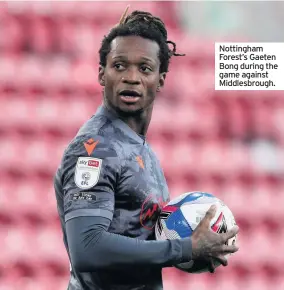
x,y
144,24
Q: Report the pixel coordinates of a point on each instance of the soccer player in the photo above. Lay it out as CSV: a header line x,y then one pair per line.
x,y
110,186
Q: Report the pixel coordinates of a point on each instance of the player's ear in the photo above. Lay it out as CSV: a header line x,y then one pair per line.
x,y
101,76
161,81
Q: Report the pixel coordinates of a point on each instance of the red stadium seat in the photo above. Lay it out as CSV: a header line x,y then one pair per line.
x,y
85,75
184,159
178,187
262,117
37,155
5,258
186,82
277,114
65,34
211,155
58,113
236,196
229,283
212,184
238,157
186,121
20,245
196,282
160,117
9,154
64,11
11,34
84,41
97,11
237,118
48,111
58,74
31,283
260,249
7,283
9,68
257,282
208,118
163,152
263,197
277,207
33,195
31,71
19,113
41,34
50,246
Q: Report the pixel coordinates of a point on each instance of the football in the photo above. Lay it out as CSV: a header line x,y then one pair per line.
x,y
180,217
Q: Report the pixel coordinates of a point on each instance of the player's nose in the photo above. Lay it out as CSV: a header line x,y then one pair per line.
x,y
132,76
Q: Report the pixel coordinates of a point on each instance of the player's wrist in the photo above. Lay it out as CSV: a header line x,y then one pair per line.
x,y
186,248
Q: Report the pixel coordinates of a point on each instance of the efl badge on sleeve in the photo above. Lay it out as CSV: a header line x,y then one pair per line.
x,y
87,172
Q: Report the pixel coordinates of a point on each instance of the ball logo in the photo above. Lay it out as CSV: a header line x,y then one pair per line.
x,y
220,225
167,211
223,228
150,211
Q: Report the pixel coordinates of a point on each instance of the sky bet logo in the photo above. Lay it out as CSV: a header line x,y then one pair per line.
x,y
92,163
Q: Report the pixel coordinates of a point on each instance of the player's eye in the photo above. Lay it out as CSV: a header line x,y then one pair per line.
x,y
119,66
146,69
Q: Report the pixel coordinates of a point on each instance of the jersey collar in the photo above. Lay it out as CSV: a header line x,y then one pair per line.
x,y
118,123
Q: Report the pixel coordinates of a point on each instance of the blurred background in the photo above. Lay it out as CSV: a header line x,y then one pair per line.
x,y
228,143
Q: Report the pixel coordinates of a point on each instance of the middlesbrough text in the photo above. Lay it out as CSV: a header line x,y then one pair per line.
x,y
246,83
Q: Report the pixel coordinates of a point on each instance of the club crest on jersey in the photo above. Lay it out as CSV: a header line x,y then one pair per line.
x,y
150,210
87,172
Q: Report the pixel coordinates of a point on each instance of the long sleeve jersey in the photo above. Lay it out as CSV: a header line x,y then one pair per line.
x,y
110,189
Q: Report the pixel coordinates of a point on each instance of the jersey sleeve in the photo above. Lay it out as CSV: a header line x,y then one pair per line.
x,y
91,169
93,248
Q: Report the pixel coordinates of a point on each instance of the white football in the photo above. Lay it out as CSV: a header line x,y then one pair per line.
x,y
180,217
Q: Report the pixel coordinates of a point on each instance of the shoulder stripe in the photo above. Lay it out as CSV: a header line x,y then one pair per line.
x,y
89,212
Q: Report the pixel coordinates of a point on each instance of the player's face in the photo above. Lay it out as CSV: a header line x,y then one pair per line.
x,y
131,77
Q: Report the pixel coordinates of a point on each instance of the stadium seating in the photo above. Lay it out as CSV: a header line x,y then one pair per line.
x,y
206,140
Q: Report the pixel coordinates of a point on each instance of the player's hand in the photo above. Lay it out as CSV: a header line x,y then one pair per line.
x,y
210,246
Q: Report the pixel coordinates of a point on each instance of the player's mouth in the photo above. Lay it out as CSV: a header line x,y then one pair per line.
x,y
130,96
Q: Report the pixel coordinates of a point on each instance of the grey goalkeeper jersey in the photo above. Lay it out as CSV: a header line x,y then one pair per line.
x,y
110,189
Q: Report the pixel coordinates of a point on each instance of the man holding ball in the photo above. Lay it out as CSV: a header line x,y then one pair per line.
x,y
110,186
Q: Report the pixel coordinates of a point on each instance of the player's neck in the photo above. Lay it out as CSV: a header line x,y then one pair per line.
x,y
139,123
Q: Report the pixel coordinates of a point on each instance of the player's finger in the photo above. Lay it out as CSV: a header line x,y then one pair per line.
x,y
229,249
211,212
222,260
209,216
211,266
230,234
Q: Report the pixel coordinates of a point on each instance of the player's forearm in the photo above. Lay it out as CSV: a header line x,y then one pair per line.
x,y
92,248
